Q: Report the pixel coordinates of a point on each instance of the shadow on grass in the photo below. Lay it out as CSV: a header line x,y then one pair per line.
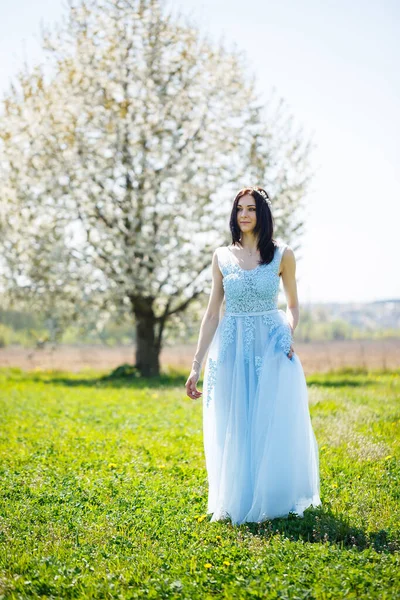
x,y
321,525
127,376
124,376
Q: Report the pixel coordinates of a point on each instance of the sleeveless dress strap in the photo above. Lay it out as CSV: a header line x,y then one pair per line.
x,y
279,254
222,258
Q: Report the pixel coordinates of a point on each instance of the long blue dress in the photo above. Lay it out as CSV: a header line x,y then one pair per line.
x,y
260,448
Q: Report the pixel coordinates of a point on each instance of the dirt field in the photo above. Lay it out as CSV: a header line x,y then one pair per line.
x,y
315,357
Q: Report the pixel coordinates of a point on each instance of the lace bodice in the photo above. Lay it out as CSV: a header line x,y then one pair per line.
x,y
253,289
249,293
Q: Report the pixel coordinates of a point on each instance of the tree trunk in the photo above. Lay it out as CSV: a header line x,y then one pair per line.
x,y
147,359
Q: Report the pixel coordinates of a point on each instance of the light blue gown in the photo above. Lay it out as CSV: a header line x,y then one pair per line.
x,y
260,449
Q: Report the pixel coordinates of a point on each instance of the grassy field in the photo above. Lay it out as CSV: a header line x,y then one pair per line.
x,y
104,491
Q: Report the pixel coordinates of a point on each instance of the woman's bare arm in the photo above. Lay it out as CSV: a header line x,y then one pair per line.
x,y
288,272
210,319
208,327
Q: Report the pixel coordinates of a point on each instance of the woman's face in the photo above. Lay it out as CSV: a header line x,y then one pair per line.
x,y
246,213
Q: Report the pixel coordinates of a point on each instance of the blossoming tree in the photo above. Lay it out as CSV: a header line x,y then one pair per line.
x,y
119,158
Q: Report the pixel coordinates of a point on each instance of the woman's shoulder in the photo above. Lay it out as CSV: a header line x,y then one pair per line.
x,y
222,257
221,249
280,243
285,253
217,253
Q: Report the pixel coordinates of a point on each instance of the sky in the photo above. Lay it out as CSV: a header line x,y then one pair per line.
x,y
335,64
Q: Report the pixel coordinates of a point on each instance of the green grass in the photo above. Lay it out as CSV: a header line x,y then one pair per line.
x,y
104,491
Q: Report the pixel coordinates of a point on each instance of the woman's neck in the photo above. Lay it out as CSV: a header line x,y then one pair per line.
x,y
248,242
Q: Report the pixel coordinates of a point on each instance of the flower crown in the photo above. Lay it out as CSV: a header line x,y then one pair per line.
x,y
264,195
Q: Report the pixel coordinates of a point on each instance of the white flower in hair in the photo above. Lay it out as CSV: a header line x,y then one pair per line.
x,y
264,195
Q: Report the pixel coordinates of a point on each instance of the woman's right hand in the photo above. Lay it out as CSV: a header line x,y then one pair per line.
x,y
191,389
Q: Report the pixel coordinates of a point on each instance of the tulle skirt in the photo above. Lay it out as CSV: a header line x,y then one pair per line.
x,y
260,449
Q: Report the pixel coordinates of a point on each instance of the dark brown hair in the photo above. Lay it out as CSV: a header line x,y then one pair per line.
x,y
266,244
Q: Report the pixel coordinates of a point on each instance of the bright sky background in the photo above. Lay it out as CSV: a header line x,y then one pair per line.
x,y
337,67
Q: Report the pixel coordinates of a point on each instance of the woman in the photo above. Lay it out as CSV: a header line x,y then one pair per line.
x,y
261,453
